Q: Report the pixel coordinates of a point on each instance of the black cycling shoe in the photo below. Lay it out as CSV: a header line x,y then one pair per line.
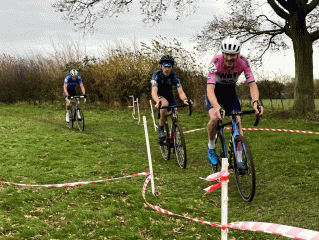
x,y
161,137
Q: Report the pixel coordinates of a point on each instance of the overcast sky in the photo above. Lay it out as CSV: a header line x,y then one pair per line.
x,y
29,26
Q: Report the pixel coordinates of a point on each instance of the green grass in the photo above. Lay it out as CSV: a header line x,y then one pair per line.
x,y
38,148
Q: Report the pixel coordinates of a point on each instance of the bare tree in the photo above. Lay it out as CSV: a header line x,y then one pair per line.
x,y
84,13
268,25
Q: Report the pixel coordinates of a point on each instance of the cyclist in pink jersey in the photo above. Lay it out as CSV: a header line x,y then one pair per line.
x,y
224,71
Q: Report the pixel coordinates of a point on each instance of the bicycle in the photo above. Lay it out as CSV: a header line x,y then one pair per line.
x,y
174,135
76,113
245,174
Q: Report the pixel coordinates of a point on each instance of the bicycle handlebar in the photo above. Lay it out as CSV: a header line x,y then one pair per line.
x,y
175,106
236,113
81,96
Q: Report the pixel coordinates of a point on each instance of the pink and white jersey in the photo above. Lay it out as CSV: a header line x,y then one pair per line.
x,y
219,72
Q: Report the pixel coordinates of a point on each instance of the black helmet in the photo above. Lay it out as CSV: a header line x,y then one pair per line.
x,y
167,59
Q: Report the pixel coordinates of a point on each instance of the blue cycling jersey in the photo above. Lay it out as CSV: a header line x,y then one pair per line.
x,y
165,83
72,83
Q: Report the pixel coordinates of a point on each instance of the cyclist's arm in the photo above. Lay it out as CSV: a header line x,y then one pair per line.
x,y
155,96
182,95
82,88
65,90
254,93
213,100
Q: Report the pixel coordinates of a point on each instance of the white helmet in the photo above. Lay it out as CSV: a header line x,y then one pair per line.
x,y
230,45
73,72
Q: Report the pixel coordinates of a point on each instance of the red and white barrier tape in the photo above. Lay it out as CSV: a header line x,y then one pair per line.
x,y
159,209
73,184
262,129
279,130
194,130
222,176
276,229
271,228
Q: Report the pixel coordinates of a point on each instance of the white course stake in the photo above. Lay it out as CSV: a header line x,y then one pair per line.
x,y
133,106
138,111
135,102
155,126
224,202
149,154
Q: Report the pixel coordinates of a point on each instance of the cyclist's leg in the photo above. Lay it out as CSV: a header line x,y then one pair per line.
x,y
211,131
162,120
67,108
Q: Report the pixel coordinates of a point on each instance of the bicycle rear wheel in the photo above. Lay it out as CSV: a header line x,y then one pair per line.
x,y
71,116
165,145
180,145
246,177
79,119
220,150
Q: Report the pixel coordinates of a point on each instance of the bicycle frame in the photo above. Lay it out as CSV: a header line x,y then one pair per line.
x,y
235,130
74,103
174,119
235,133
245,171
174,136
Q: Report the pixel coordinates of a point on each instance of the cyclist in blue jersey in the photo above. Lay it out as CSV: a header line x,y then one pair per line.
x,y
70,83
162,82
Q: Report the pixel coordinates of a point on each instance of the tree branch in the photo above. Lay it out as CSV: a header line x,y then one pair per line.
x,y
279,11
315,35
312,5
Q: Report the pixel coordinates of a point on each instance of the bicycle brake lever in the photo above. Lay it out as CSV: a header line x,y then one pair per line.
x,y
257,117
257,121
190,106
221,111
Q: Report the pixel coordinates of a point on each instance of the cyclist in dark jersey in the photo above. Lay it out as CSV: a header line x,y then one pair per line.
x,y
69,85
162,82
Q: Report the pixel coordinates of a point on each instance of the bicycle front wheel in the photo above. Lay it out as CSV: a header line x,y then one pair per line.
x,y
245,176
71,116
79,119
165,145
180,145
220,150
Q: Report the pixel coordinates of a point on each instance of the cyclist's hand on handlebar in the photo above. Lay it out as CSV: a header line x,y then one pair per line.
x,y
258,109
188,101
69,96
219,112
158,104
84,96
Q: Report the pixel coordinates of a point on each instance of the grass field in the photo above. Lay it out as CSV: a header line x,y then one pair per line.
x,y
38,148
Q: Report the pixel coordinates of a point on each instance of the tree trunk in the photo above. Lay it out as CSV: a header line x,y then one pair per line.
x,y
304,86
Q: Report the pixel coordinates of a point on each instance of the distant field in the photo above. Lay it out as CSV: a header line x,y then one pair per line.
x,y
278,103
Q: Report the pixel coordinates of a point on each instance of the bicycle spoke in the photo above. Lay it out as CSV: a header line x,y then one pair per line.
x,y
80,119
180,145
165,146
245,177
220,150
71,117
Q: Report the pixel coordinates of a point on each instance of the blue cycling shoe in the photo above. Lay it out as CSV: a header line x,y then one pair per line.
x,y
212,157
240,165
